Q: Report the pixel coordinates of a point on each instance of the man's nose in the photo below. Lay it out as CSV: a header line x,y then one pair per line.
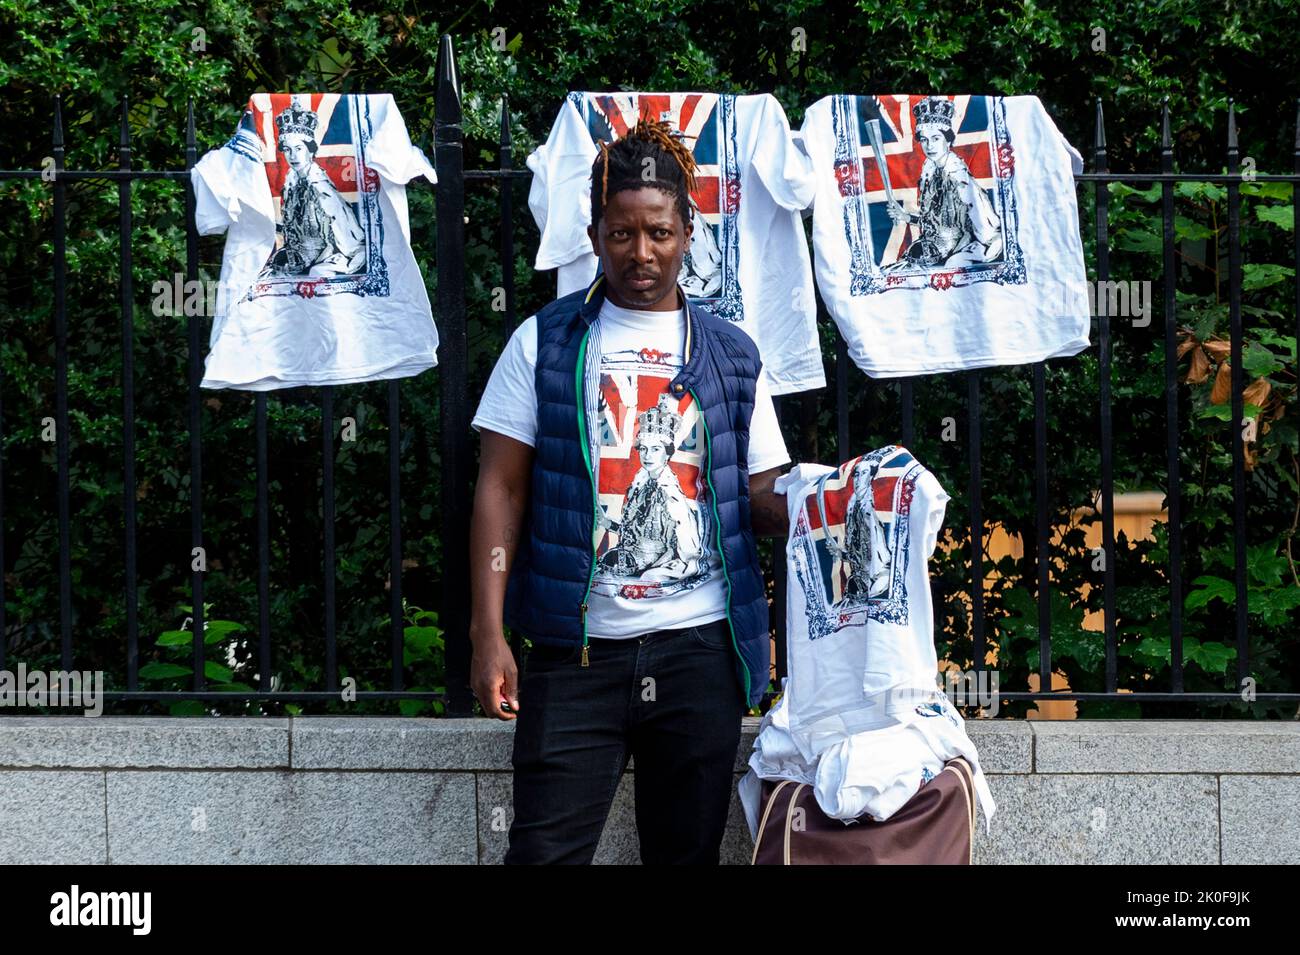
x,y
641,248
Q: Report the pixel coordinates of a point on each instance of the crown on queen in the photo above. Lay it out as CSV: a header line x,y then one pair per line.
x,y
934,109
661,421
295,119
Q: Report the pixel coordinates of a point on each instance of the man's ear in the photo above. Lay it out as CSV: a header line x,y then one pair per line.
x,y
591,235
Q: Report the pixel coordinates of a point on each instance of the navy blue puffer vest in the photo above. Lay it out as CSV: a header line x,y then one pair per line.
x,y
554,562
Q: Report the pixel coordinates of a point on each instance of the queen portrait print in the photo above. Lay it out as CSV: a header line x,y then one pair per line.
x,y
955,222
320,231
865,550
659,532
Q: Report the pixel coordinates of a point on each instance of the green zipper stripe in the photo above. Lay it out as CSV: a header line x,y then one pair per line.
x,y
717,524
581,402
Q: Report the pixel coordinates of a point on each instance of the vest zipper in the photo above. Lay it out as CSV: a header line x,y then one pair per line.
x,y
717,524
581,403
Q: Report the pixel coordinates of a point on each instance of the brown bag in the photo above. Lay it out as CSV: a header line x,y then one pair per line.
x,y
936,826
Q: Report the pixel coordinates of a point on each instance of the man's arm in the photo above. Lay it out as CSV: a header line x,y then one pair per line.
x,y
500,500
768,515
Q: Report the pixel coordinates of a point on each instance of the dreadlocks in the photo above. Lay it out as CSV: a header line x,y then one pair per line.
x,y
622,164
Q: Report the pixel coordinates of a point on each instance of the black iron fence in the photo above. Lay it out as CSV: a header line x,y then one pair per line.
x,y
457,452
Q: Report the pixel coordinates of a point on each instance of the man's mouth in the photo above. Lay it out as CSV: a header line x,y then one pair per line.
x,y
642,281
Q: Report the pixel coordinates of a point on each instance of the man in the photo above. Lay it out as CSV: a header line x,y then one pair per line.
x,y
603,396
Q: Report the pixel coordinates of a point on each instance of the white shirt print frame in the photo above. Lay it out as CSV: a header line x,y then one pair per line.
x,y
851,542
329,227
653,536
928,188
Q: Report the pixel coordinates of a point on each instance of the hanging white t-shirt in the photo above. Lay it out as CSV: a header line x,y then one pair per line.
x,y
656,546
748,259
980,263
318,282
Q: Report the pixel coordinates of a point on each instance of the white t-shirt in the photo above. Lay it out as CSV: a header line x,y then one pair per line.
x,y
748,260
318,282
982,263
657,561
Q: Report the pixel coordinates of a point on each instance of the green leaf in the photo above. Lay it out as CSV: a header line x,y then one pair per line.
x,y
1259,361
1282,216
163,671
1212,657
1261,275
1185,228
187,708
175,638
1210,588
216,672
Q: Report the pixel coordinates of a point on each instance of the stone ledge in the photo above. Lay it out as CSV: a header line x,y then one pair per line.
x,y
144,742
479,744
1164,746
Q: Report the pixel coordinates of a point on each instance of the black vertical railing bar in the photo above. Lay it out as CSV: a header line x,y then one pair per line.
x,y
263,551
1173,496
1295,227
61,387
453,351
1042,526
507,225
1106,497
195,409
1237,423
905,395
975,496
327,522
395,623
128,399
841,385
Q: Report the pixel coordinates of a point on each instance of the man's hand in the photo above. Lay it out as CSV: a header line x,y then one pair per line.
x,y
493,675
768,515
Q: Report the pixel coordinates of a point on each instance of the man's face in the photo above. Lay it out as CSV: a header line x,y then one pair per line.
x,y
641,242
933,142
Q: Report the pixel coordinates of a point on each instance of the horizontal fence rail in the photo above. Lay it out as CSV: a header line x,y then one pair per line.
x,y
456,449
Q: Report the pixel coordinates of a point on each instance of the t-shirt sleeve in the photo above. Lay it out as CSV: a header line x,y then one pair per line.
x,y
230,181
938,501
509,402
782,166
390,151
766,444
560,194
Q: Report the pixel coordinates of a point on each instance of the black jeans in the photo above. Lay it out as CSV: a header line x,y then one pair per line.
x,y
672,700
